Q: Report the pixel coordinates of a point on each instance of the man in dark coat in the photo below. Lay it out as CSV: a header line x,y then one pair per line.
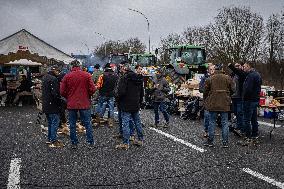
x,y
106,85
217,96
239,77
251,92
51,105
130,96
160,93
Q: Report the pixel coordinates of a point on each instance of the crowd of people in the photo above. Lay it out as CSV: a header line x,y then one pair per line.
x,y
87,96
78,91
223,93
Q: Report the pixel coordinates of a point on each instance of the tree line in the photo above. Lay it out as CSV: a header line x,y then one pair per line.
x,y
237,34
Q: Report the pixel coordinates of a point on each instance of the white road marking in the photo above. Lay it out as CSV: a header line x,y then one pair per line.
x,y
268,124
178,140
14,174
265,178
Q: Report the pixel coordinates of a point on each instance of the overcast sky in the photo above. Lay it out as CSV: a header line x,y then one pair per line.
x,y
70,24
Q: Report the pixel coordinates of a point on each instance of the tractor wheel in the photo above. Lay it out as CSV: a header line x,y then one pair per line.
x,y
174,77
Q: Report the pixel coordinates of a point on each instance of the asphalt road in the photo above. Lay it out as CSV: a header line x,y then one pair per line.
x,y
171,157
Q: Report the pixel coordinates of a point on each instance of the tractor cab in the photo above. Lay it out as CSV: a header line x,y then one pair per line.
x,y
186,58
117,58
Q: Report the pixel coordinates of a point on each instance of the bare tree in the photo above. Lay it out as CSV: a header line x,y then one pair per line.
x,y
236,35
199,36
108,47
275,49
168,42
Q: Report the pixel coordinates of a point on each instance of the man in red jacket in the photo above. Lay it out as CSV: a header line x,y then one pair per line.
x,y
78,87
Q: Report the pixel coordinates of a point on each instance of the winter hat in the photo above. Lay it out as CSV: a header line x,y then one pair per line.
x,y
75,63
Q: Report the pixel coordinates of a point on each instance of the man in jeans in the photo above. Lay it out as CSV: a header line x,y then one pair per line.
x,y
106,85
251,91
78,87
161,90
217,96
51,105
210,71
130,96
239,77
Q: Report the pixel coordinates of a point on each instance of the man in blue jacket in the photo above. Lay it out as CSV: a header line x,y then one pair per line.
x,y
251,91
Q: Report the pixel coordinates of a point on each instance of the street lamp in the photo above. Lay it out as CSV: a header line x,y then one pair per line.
x,y
104,40
147,24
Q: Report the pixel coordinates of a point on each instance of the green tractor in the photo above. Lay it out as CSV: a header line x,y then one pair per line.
x,y
144,60
185,61
117,58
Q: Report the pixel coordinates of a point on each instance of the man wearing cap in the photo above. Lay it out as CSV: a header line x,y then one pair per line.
x,y
130,96
51,105
106,85
78,87
217,97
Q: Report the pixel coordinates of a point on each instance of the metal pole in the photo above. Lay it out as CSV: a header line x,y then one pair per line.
x,y
148,24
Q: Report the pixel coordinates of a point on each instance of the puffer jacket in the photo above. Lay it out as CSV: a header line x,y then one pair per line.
x,y
217,93
77,87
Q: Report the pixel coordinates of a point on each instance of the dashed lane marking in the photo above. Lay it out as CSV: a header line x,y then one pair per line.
x,y
265,178
178,140
14,174
268,124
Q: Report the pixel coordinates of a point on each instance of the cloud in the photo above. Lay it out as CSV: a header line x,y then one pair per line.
x,y
67,24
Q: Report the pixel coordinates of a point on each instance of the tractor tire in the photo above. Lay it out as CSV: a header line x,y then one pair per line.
x,y
174,77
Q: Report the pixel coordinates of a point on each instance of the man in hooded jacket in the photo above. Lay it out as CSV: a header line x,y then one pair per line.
x,y
130,96
51,105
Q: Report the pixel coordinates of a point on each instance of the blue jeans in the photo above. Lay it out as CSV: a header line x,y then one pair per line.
x,y
126,117
131,125
250,118
53,123
225,127
103,102
163,108
85,116
238,111
206,120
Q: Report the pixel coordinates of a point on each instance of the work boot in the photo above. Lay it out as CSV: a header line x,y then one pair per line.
x,y
132,138
166,125
110,122
118,136
56,144
98,118
122,146
138,142
80,128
